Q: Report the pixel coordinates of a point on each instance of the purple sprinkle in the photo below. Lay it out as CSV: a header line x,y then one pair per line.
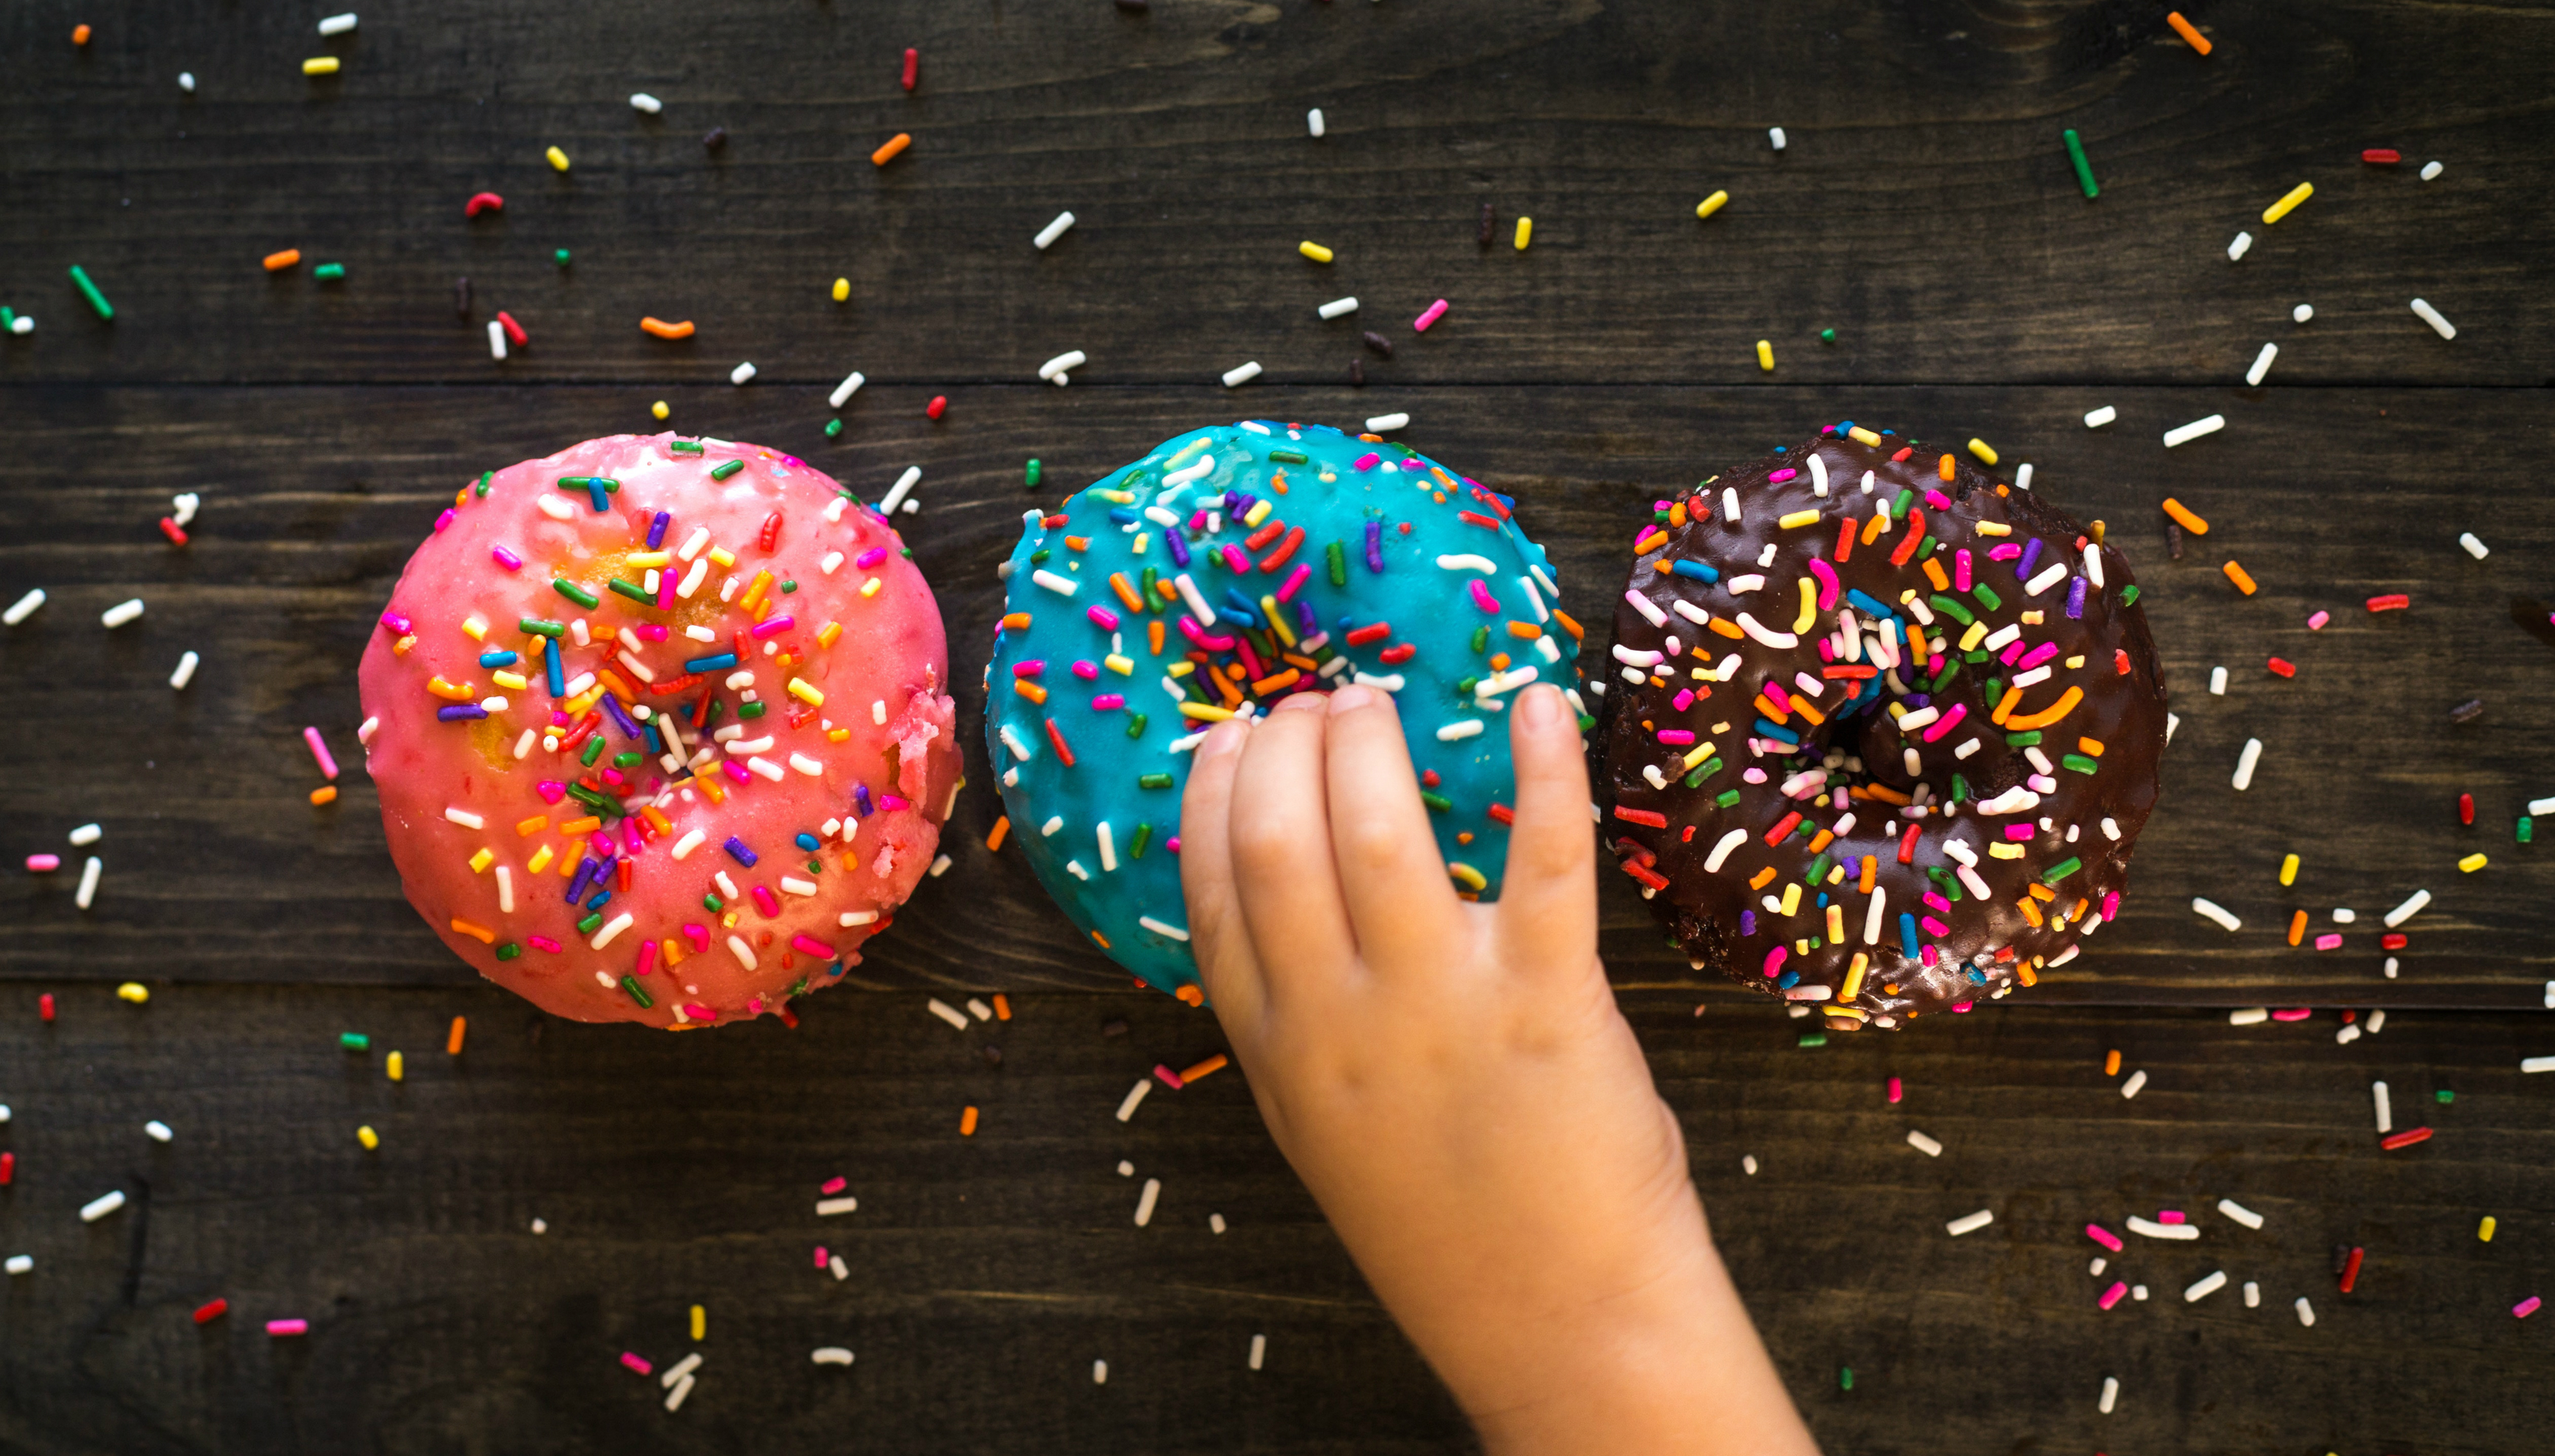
x,y
2030,554
1747,923
736,850
2076,597
458,712
584,877
1916,700
1374,547
1305,618
619,716
1179,547
657,529
506,559
860,800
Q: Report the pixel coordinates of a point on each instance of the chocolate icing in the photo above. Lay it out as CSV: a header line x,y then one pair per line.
x,y
1986,945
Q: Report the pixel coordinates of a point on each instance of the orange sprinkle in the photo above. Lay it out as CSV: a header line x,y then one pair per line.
x,y
1726,627
967,1119
453,1040
2236,573
1275,682
324,793
1872,528
1870,869
1001,830
1934,571
1126,590
278,261
586,825
1029,689
1764,878
80,34
2092,748
655,819
2066,705
2182,517
881,158
480,933
663,330
534,825
1570,625
1077,543
1191,995
673,946
2041,893
2298,928
1154,635
1526,630
2024,971
2112,1063
1947,467
1650,542
1017,620
1215,1063
2184,29
2030,909
754,593
1002,1007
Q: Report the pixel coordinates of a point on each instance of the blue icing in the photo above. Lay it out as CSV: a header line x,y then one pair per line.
x,y
1428,606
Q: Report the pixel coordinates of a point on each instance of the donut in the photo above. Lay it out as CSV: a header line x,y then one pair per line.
x,y
1229,567
659,729
1882,729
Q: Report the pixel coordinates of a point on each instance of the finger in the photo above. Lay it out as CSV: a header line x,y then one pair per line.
x,y
1548,906
1392,876
1216,931
1284,877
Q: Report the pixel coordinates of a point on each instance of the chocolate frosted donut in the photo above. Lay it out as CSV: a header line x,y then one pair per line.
x,y
1882,729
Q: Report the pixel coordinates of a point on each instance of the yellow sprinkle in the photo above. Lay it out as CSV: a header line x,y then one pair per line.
x,y
1258,511
1810,607
1465,876
397,1067
1865,436
1711,204
1986,452
871,586
511,681
827,636
558,159
1836,922
2287,204
1970,638
540,861
1314,250
2289,870
480,862
1800,518
806,692
2484,1231
1525,232
701,1323
659,410
842,290
1791,898
1765,355
642,561
1181,669
1994,528
1852,977
837,735
1205,713
722,558
476,626
367,1137
2472,863
133,991
1122,666
319,65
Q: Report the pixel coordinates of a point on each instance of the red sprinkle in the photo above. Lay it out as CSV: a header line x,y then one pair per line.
x,y
2466,808
770,532
2394,940
2285,666
1774,835
208,1312
938,406
1476,518
2404,1139
1847,675
1651,817
2120,661
1502,815
1908,846
2350,1270
2395,603
1398,653
1643,873
8,1168
2380,155
1904,453
176,532
1055,736
513,331
1053,522
44,1005
914,70
483,202
1371,632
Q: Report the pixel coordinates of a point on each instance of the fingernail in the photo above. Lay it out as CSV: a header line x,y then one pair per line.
x,y
1352,698
1299,702
1539,707
1224,737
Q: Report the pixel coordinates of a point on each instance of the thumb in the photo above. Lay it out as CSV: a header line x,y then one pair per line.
x,y
1548,904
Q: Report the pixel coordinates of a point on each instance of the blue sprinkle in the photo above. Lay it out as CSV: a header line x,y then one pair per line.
x,y
656,745
594,492
715,662
1124,514
550,667
1871,605
458,712
1699,570
837,968
1977,979
1240,602
601,898
498,659
657,529
1787,981
805,841
1238,619
1908,933
736,850
1765,728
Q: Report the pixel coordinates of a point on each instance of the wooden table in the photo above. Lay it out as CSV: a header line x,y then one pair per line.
x,y
1924,208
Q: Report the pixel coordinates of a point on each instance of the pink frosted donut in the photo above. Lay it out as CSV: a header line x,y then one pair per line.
x,y
659,729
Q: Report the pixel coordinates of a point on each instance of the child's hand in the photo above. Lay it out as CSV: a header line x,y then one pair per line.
x,y
1456,1087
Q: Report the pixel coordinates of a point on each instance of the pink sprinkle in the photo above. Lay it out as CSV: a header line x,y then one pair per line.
x,y
1774,961
653,632
1364,461
1482,597
396,623
821,1255
889,803
809,946
281,1327
1779,476
1102,617
319,751
871,558
1295,580
2329,942
1935,926
1947,722
699,1013
1894,1089
1685,697
773,627
647,957
1029,667
544,944
833,1186
2020,831
627,1359
1776,695
766,902
2111,1295
1109,702
1169,1078
44,863
2292,1013
2111,905
1430,316
1961,570
699,936
2004,552
1234,558
1679,737
736,771
1086,670
1961,1008
1172,844
2525,1307
665,593
506,559
2316,622
602,844
2170,1216
551,790
2104,1237
445,519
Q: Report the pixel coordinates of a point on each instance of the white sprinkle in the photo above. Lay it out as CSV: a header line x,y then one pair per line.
x,y
2261,364
1379,423
23,323
464,817
121,613
679,1368
1970,1223
2249,1016
20,1263
939,866
1134,1098
740,373
2186,434
186,673
947,1012
829,1207
2537,1064
1145,1201
2134,1084
2049,576
2302,313
2096,419
1337,306
1061,585
2202,1288
2023,476
642,102
1215,1223
185,80
2377,1021
2149,1229
2238,1212
2382,1106
541,1226
1313,124
159,1131
1100,1372
737,947
2347,1034
849,918
1049,233
1240,374
2245,761
1159,929
2412,906
832,1354
1070,359
612,932
1923,1144
99,1208
1730,503
88,881
1774,134
2235,249
2475,547
496,339
2430,316
2541,805
87,834
1461,728
2111,1393
2218,683
2306,1312
840,1269
689,842
897,493
24,606
2214,910
2430,172
850,386
338,25
2252,1295
1259,1343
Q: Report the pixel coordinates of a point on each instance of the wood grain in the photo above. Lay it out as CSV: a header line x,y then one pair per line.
x,y
1924,206
988,1272
217,869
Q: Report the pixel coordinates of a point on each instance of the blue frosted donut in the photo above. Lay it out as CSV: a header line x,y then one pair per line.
x,y
1227,568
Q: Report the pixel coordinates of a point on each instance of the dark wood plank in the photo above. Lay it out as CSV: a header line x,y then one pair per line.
x,y
1924,207
988,1272
216,868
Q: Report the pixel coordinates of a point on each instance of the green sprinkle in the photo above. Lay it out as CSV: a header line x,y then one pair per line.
x,y
798,987
2029,738
603,804
631,590
329,273
484,477
1995,690
753,710
1702,771
638,993
509,950
712,903
2061,869
789,586
1339,560
1153,780
725,468
1727,797
1287,457
686,447
1143,836
2083,169
815,867
1951,608
1439,801
1818,870
8,316
625,759
833,428
1586,722
1145,588
561,256
590,924
1898,507
593,751
574,592
2129,594
89,291
1136,725
1975,655
355,1040
710,718
1030,475
1959,790
1951,668
1927,546
1828,336
1814,1039
1038,558
1845,1378
2079,763
1465,686
1481,637
1986,596
2445,1096
2527,829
